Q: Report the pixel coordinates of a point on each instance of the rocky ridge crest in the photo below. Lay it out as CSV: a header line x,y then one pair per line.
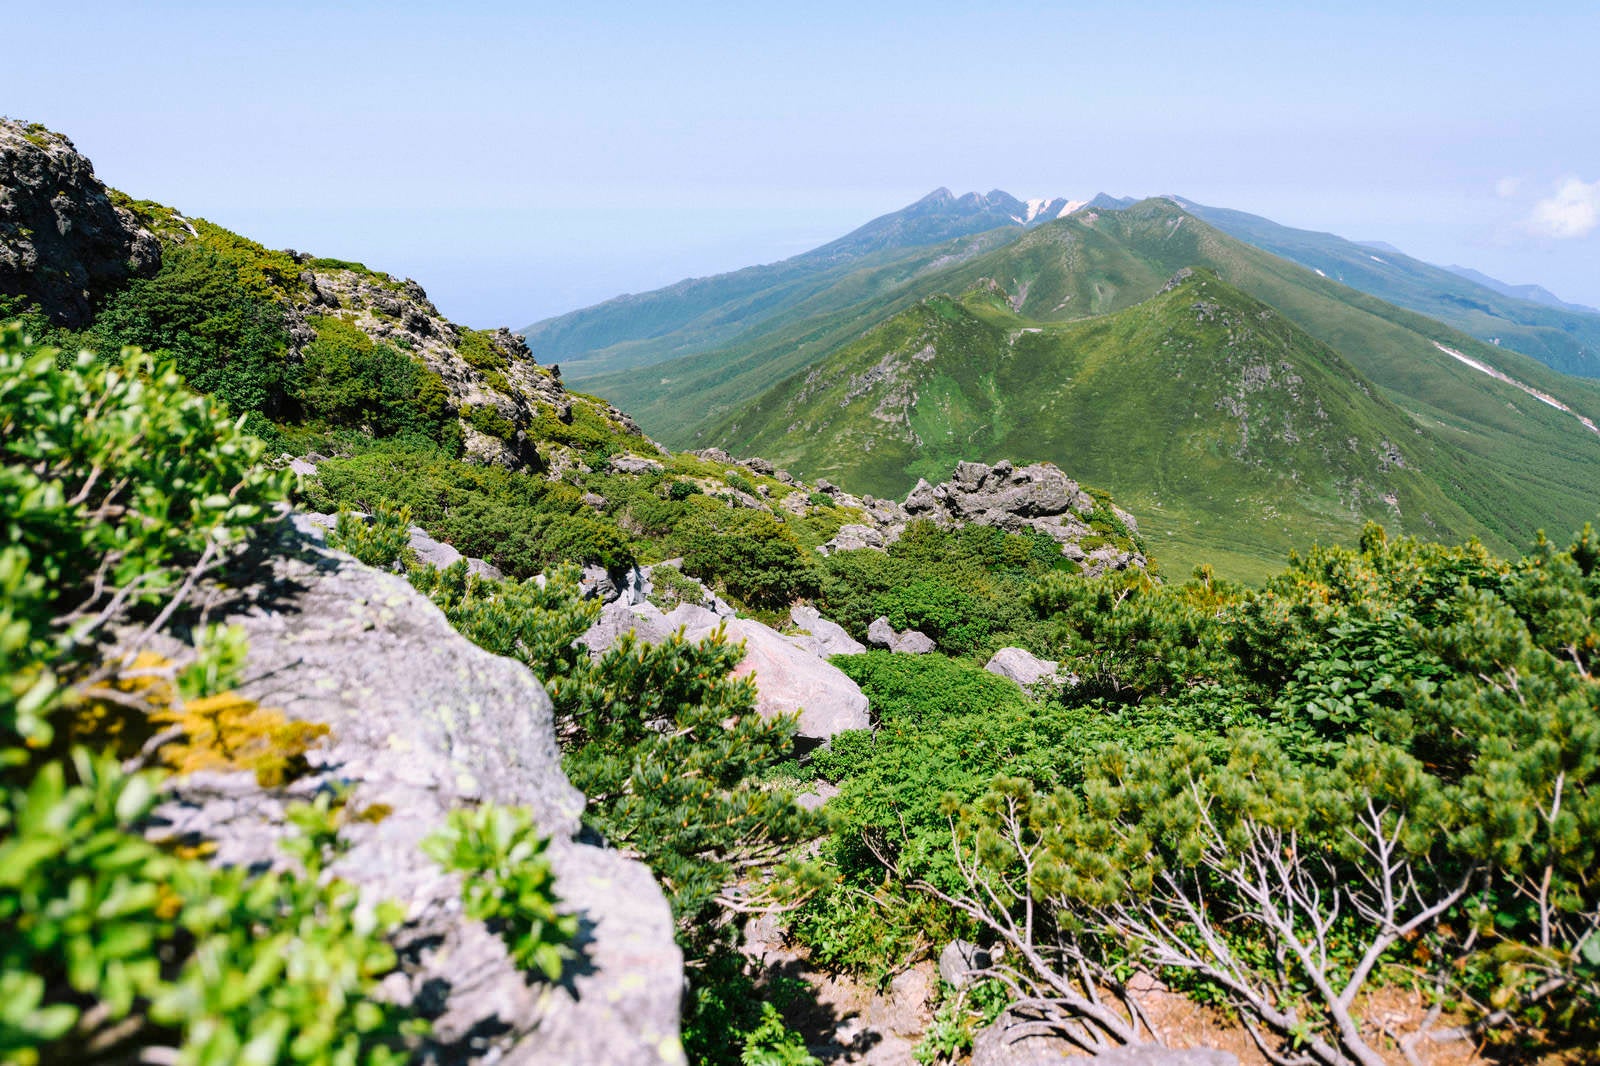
x,y
67,242
63,242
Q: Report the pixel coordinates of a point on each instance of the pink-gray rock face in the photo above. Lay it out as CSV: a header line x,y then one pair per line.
x,y
788,677
822,637
423,721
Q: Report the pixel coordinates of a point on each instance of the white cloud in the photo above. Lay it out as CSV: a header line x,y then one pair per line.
x,y
1506,188
1573,211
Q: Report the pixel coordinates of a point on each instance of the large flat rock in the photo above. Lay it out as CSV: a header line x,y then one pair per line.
x,y
423,721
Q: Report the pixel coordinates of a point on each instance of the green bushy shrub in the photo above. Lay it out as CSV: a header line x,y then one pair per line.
x,y
750,553
346,379
381,539
117,485
113,945
210,310
120,488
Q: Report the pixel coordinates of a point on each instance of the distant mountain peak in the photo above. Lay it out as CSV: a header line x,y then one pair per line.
x,y
1535,293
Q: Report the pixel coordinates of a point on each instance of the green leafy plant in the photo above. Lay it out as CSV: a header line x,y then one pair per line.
x,y
507,883
120,488
112,945
749,552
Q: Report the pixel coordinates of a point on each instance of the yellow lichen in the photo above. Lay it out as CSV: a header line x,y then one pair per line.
x,y
223,732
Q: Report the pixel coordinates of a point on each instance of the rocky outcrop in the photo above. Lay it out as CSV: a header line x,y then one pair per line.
x,y
1038,497
821,637
1023,667
880,634
481,370
423,721
63,243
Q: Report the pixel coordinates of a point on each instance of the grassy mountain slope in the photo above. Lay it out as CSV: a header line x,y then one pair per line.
x,y
1101,261
1226,427
700,313
1564,337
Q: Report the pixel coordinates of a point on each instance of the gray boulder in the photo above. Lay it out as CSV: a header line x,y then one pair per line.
x,y
789,679
644,620
913,642
634,464
959,960
423,721
442,555
697,622
822,637
853,536
427,550
1023,667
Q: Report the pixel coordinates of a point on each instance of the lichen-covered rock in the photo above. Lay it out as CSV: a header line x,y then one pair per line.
x,y
881,634
821,637
63,243
1023,667
423,721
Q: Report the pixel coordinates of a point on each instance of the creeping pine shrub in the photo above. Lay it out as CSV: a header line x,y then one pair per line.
x,y
521,523
1391,759
750,552
382,539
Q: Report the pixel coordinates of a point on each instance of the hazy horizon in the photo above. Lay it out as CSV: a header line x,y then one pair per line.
x,y
525,161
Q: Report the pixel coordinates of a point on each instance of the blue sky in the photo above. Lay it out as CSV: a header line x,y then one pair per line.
x,y
525,159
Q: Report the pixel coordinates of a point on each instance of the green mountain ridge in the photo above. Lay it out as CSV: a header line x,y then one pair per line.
x,y
698,313
1563,336
1217,418
1507,463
